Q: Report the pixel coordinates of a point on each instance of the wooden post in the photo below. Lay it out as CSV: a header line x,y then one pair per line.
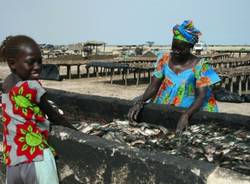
x,y
68,71
247,83
149,76
58,68
111,75
125,76
240,85
106,73
127,73
78,71
234,79
122,73
97,72
138,77
87,68
225,82
231,84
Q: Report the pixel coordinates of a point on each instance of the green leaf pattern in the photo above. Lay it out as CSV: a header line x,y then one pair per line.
x,y
181,91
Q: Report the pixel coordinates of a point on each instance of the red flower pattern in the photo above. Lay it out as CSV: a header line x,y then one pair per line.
x,y
23,99
212,101
162,61
203,81
176,101
166,82
6,152
5,119
30,140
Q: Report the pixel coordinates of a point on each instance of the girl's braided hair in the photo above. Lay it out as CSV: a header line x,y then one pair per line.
x,y
3,47
11,46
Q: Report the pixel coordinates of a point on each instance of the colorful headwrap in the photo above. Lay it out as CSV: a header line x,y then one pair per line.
x,y
186,32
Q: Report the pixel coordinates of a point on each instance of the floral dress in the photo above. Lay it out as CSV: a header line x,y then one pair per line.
x,y
179,89
25,126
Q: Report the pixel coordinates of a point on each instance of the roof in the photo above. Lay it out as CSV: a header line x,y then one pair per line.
x,y
93,43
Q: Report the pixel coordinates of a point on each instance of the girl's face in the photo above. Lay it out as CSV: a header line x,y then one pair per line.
x,y
28,63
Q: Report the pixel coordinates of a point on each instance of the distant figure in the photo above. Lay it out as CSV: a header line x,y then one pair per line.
x,y
26,152
181,79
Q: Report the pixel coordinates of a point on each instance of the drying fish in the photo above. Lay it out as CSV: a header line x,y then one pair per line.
x,y
223,146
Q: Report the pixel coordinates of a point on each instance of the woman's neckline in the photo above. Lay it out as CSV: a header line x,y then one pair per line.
x,y
185,70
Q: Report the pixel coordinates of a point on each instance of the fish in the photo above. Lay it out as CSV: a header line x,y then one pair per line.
x,y
223,146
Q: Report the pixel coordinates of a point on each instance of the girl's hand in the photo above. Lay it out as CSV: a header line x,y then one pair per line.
x,y
53,115
182,123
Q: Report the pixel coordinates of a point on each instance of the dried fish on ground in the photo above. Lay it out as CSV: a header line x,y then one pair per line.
x,y
223,146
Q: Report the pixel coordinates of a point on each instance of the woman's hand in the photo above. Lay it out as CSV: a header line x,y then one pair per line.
x,y
182,123
134,111
148,94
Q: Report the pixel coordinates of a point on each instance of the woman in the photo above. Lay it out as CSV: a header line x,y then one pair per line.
x,y
181,79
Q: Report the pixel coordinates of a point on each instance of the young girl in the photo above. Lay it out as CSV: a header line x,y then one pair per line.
x,y
26,152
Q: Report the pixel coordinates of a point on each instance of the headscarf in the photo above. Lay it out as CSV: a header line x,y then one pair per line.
x,y
186,32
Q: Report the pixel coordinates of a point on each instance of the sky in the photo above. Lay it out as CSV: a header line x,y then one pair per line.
x,y
124,21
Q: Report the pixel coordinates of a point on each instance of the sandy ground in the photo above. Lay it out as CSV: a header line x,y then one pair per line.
x,y
101,86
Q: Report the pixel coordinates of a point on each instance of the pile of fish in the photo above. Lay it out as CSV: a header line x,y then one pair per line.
x,y
226,147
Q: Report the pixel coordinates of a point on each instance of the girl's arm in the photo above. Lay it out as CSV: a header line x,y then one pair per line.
x,y
52,114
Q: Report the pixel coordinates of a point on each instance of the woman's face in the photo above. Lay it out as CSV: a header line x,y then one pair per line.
x,y
180,49
28,63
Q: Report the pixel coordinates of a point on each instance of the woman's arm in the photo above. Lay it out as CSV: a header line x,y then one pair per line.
x,y
148,94
52,114
151,89
183,121
201,93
